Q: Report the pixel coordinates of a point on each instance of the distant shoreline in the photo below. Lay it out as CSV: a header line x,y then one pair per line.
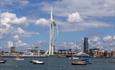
x,y
23,56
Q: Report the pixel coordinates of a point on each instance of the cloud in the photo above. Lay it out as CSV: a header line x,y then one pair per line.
x,y
108,38
22,33
86,8
16,37
94,42
114,37
15,32
11,18
40,43
70,45
77,23
13,2
20,30
5,29
8,20
105,42
10,44
95,39
24,2
76,12
43,21
18,43
82,26
74,17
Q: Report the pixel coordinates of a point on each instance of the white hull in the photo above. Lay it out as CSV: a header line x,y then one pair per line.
x,y
37,62
19,59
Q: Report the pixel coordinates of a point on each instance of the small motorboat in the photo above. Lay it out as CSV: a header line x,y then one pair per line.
x,y
2,61
75,58
79,62
19,59
37,62
81,59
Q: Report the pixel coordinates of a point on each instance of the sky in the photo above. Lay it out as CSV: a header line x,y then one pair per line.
x,y
25,23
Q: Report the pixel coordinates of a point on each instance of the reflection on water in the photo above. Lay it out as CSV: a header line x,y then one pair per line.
x,y
52,63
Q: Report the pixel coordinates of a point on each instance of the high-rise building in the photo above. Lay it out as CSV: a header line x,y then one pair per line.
x,y
85,50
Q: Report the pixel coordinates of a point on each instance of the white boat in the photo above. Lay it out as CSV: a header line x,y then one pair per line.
x,y
19,59
78,62
74,58
2,61
37,62
82,57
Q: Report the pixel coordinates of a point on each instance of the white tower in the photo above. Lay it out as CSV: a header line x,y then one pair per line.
x,y
52,36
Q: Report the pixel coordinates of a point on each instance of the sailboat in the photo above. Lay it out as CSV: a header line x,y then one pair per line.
x,y
18,58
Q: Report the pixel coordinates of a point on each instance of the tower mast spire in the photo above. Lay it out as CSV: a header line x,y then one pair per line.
x,y
51,14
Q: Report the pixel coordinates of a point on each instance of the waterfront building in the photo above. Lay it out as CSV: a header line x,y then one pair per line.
x,y
113,53
35,51
63,51
1,52
96,52
42,52
32,51
109,54
93,52
13,50
100,53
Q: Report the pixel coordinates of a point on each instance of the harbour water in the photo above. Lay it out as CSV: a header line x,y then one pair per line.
x,y
53,63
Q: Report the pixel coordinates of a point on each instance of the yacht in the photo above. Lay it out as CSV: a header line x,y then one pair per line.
x,y
18,59
2,61
78,62
81,58
37,62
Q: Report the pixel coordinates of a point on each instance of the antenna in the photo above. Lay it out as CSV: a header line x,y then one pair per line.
x,y
51,15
